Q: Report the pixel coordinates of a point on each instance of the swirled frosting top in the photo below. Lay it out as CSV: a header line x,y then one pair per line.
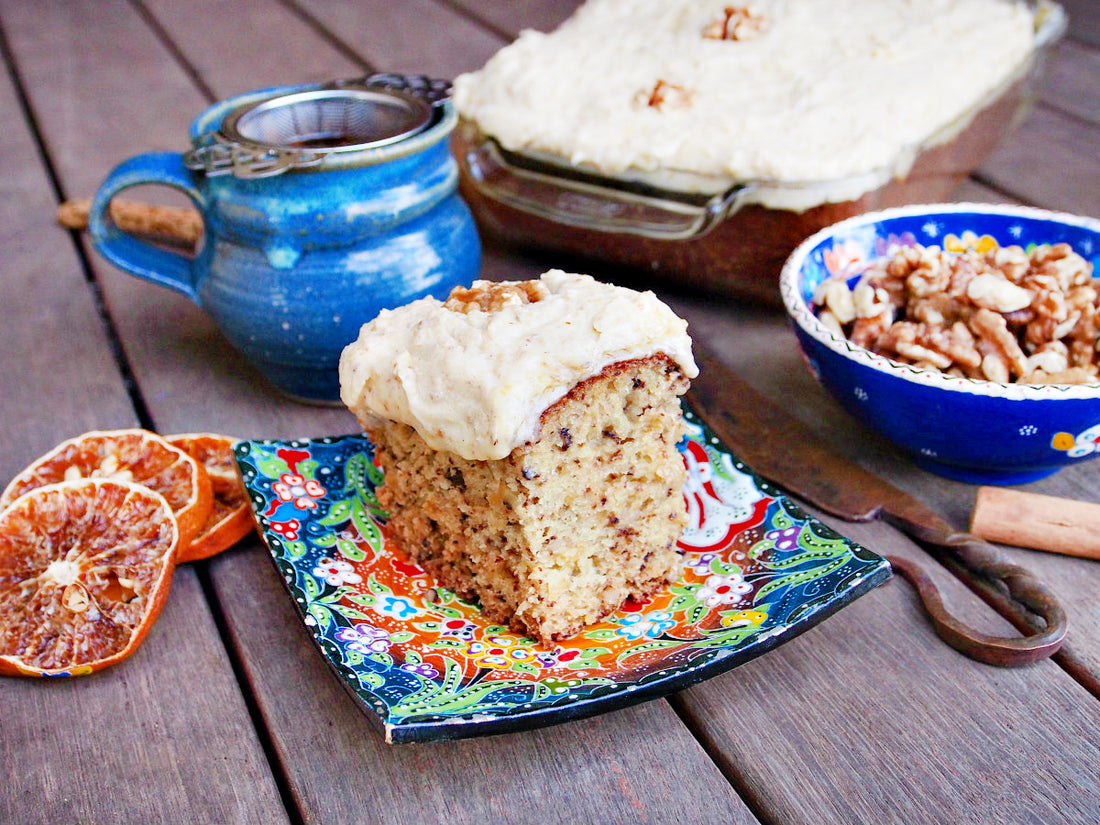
x,y
473,375
772,90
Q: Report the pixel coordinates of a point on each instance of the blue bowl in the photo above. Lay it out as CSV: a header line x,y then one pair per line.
x,y
969,430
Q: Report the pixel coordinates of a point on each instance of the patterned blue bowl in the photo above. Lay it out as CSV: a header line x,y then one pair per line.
x,y
969,430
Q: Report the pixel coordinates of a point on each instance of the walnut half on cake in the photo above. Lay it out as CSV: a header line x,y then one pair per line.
x,y
527,432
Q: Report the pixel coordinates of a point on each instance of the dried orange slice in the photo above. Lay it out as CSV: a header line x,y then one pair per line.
x,y
85,567
230,518
126,455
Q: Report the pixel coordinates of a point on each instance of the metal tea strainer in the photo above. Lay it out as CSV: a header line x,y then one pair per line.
x,y
302,128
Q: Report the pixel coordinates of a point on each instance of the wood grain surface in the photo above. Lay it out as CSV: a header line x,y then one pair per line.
x,y
228,714
168,730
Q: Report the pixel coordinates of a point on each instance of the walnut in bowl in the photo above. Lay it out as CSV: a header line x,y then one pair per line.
x,y
966,334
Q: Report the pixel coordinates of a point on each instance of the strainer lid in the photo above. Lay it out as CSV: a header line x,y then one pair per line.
x,y
303,127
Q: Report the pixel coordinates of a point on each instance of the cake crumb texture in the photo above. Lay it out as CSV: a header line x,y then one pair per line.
x,y
557,534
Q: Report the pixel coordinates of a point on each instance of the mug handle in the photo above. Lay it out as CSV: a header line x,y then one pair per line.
x,y
144,260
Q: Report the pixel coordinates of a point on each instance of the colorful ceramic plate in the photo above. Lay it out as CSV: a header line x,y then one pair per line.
x,y
756,572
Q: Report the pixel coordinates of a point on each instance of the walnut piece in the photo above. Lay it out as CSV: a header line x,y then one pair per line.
x,y
1003,315
737,24
490,296
838,298
997,293
664,94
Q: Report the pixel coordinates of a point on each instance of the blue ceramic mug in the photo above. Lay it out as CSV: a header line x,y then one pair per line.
x,y
321,206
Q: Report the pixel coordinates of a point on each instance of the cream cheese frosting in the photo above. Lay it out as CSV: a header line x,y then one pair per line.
x,y
813,90
476,381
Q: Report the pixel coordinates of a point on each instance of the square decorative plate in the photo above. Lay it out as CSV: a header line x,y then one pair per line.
x,y
756,571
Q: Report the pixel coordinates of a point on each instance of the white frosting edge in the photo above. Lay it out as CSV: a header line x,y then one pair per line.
x,y
834,99
477,383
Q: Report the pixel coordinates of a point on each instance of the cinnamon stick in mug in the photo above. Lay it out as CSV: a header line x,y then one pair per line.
x,y
178,224
1038,522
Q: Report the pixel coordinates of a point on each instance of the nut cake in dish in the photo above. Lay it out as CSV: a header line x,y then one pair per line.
x,y
702,140
702,94
528,436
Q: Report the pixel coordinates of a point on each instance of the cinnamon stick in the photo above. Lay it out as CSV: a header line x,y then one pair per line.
x,y
172,223
1038,522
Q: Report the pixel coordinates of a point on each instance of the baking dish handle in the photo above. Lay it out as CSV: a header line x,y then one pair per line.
x,y
576,199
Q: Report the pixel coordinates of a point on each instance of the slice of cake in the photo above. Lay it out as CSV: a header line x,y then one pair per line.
x,y
528,432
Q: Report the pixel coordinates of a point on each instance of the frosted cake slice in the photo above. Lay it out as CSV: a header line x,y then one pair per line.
x,y
528,432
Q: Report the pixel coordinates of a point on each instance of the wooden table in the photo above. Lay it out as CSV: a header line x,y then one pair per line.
x,y
227,713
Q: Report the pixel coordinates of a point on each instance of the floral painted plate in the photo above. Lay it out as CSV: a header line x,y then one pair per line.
x,y
756,572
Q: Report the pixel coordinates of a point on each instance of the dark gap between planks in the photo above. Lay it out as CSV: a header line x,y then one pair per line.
x,y
716,755
150,20
278,770
462,11
329,36
137,400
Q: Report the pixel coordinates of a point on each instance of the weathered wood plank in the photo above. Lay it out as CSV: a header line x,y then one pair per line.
x,y
507,19
1069,85
912,735
887,742
166,730
161,734
59,376
1070,80
163,334
815,754
1051,160
416,36
635,765
970,191
174,349
1084,22
282,47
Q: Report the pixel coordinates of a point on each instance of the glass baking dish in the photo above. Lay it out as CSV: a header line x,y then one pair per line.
x,y
729,239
